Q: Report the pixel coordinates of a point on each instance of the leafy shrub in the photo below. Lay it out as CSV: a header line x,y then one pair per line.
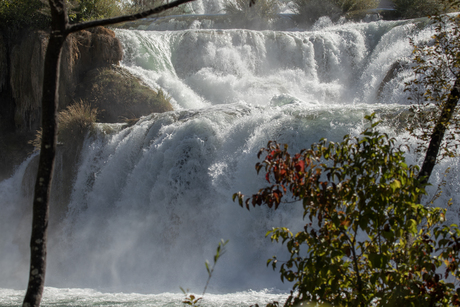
x,y
367,241
84,10
436,67
23,13
252,14
308,11
35,13
142,5
421,8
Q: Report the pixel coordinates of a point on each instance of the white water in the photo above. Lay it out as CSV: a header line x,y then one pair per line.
x,y
150,203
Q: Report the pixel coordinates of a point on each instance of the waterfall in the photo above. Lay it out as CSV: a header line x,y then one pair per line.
x,y
150,202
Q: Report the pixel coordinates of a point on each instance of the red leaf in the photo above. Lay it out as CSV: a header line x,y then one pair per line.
x,y
300,166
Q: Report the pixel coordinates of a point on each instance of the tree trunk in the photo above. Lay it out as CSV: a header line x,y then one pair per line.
x,y
438,133
59,30
50,100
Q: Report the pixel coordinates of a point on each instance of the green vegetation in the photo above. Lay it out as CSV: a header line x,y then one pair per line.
x,y
422,8
85,10
309,11
367,239
141,5
191,299
436,67
35,13
23,13
251,14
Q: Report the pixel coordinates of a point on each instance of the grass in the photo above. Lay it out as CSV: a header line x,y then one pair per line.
x,y
74,122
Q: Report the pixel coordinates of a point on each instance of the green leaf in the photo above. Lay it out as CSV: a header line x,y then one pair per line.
x,y
412,226
396,184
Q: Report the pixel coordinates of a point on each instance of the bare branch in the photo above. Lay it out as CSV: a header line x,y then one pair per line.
x,y
114,20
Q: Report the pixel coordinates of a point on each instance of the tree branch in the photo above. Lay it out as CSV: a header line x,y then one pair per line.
x,y
114,20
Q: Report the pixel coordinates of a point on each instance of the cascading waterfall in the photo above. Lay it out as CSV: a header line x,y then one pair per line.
x,y
150,202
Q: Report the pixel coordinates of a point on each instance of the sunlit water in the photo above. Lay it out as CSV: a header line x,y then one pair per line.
x,y
149,203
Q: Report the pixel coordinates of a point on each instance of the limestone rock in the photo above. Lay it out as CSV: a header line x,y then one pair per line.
x,y
118,95
82,52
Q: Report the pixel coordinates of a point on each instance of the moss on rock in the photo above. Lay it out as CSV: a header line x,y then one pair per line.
x,y
118,95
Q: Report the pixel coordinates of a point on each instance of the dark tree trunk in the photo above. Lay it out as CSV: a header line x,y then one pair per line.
x,y
50,100
438,133
59,30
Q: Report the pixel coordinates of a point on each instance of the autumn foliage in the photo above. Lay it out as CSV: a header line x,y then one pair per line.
x,y
367,240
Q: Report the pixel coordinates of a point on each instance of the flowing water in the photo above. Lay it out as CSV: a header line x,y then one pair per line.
x,y
149,203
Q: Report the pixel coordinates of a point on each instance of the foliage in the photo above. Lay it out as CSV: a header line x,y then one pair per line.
x,y
34,13
308,11
436,67
74,121
191,299
367,240
251,13
85,10
141,5
356,5
421,8
23,13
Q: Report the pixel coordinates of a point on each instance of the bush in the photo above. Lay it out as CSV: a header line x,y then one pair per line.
x,y
85,10
309,11
142,5
422,8
35,13
246,14
23,13
367,240
436,67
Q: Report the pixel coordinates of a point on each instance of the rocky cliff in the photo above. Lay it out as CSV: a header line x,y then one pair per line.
x,y
88,72
82,52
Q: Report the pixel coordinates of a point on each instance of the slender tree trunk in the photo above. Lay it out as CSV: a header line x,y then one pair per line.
x,y
435,143
60,28
50,100
438,133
